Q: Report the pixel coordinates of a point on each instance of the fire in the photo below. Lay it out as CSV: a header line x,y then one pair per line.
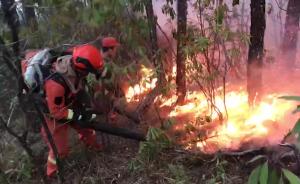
x,y
145,84
265,123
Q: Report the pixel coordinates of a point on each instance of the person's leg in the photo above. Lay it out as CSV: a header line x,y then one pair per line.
x,y
88,137
59,134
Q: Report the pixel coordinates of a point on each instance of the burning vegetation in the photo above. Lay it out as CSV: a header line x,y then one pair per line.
x,y
198,76
228,124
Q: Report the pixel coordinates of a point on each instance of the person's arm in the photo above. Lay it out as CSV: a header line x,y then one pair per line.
x,y
55,97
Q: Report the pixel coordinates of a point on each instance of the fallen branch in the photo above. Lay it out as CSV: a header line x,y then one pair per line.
x,y
242,153
148,101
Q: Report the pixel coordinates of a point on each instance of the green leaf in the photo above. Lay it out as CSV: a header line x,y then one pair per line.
x,y
253,178
296,110
293,179
273,177
293,98
280,180
220,14
296,128
168,124
263,178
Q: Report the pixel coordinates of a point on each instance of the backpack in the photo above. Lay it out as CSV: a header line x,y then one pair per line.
x,y
37,67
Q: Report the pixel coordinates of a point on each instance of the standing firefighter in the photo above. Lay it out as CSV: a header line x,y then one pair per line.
x,y
107,88
63,93
112,72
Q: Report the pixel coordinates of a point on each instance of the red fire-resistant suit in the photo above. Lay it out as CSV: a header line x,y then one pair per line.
x,y
60,101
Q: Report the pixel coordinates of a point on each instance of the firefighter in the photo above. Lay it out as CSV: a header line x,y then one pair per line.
x,y
111,72
63,92
109,47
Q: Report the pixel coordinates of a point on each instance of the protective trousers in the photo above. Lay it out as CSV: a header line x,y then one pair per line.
x,y
59,134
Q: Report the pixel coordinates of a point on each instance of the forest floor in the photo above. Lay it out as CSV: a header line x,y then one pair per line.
x,y
115,164
172,166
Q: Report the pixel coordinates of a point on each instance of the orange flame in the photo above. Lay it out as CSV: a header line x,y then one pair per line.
x,y
264,122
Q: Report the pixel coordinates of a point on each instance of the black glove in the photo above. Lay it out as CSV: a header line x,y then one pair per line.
x,y
83,115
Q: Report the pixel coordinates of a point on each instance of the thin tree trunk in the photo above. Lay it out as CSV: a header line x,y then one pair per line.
x,y
289,42
30,18
156,59
11,17
256,50
180,59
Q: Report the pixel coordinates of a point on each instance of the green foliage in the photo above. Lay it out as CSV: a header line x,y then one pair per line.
x,y
296,129
168,124
178,174
292,178
19,167
264,171
220,173
293,98
263,174
157,141
254,176
273,176
167,9
220,14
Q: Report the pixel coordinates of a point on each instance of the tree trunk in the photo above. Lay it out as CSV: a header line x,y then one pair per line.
x,y
30,18
180,59
256,50
289,42
11,17
156,59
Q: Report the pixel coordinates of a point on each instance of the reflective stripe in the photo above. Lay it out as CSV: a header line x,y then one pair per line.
x,y
51,160
70,114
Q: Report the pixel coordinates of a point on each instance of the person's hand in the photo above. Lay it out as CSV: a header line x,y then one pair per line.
x,y
83,116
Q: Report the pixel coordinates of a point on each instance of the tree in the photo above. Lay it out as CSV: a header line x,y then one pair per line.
x,y
156,59
30,18
11,17
180,59
289,42
256,50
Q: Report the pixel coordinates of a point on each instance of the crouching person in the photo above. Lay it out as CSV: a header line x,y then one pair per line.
x,y
62,93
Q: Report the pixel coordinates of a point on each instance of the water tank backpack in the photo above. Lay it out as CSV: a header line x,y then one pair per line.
x,y
38,68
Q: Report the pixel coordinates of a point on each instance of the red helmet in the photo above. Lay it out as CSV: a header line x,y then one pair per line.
x,y
110,42
88,58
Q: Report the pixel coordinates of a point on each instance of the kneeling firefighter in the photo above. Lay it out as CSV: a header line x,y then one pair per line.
x,y
63,91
